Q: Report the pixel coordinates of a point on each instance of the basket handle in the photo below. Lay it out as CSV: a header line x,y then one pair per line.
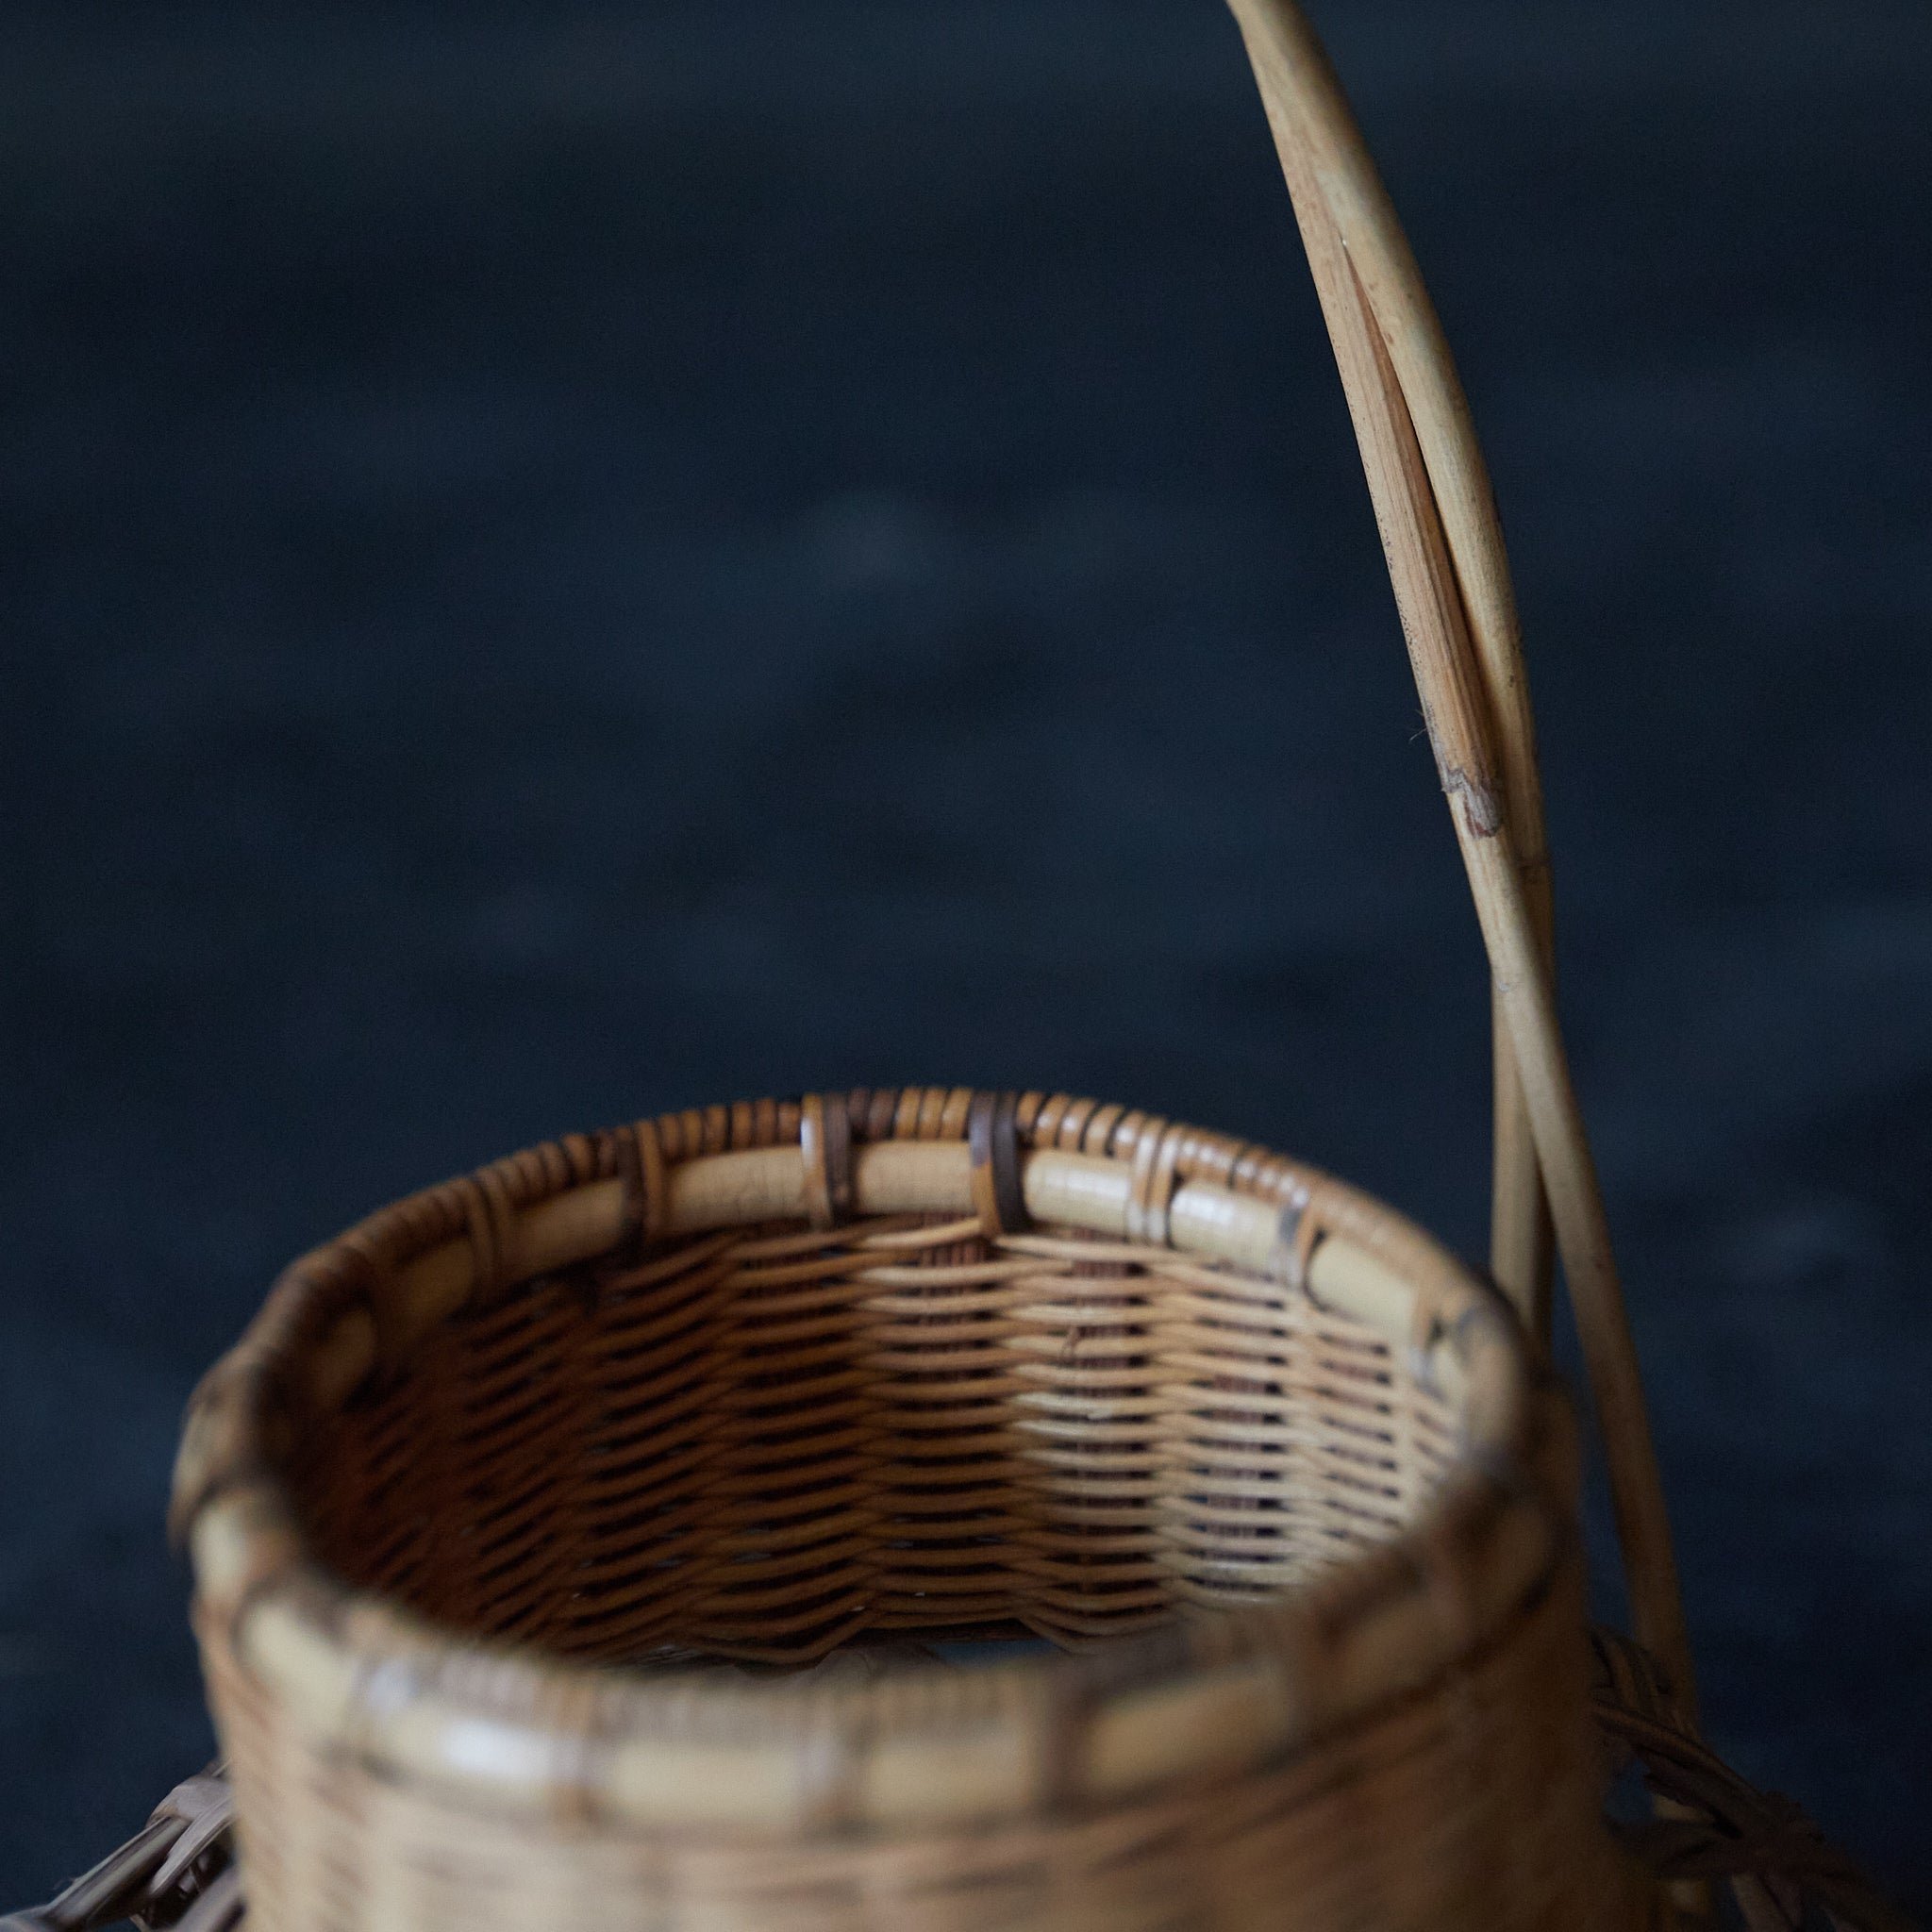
x,y
1447,560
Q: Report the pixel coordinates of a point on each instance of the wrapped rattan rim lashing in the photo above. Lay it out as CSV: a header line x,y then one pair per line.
x,y
1250,1676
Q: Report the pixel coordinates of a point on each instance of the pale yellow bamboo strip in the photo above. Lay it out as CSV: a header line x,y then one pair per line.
x,y
1297,92
1522,1249
1385,265
1583,1234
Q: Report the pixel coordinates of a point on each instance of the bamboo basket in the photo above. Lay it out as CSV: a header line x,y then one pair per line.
x,y
756,1382
594,1541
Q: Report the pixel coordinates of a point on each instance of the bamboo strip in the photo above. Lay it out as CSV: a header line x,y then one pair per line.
x,y
1385,265
1326,179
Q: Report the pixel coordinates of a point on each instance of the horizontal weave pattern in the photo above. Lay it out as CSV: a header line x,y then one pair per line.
x,y
1456,1811
758,1445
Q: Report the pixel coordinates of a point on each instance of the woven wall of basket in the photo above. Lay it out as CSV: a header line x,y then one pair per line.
x,y
583,1544
496,1473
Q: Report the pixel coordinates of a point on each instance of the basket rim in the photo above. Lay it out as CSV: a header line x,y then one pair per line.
x,y
506,1724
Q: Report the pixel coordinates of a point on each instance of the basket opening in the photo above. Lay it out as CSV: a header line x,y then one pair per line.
x,y
762,1444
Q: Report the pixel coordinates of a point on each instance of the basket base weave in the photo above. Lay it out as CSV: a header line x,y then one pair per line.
x,y
1205,1859
1726,1830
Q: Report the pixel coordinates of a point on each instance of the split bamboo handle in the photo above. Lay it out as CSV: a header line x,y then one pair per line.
x,y
1447,560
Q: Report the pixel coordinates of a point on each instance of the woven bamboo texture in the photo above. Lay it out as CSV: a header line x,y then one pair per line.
x,y
179,1873
494,1471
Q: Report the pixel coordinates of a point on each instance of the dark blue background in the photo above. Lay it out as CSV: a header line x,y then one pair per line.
x,y
560,563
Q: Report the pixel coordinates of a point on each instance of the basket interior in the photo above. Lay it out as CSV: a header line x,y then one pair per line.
x,y
761,1443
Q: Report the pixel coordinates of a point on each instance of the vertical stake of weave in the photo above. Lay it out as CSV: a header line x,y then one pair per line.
x,y
1438,519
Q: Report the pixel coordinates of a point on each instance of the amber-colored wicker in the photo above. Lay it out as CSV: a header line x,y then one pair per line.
x,y
494,1471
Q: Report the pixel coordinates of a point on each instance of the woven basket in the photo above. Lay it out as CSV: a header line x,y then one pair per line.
x,y
756,1382
614,1537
